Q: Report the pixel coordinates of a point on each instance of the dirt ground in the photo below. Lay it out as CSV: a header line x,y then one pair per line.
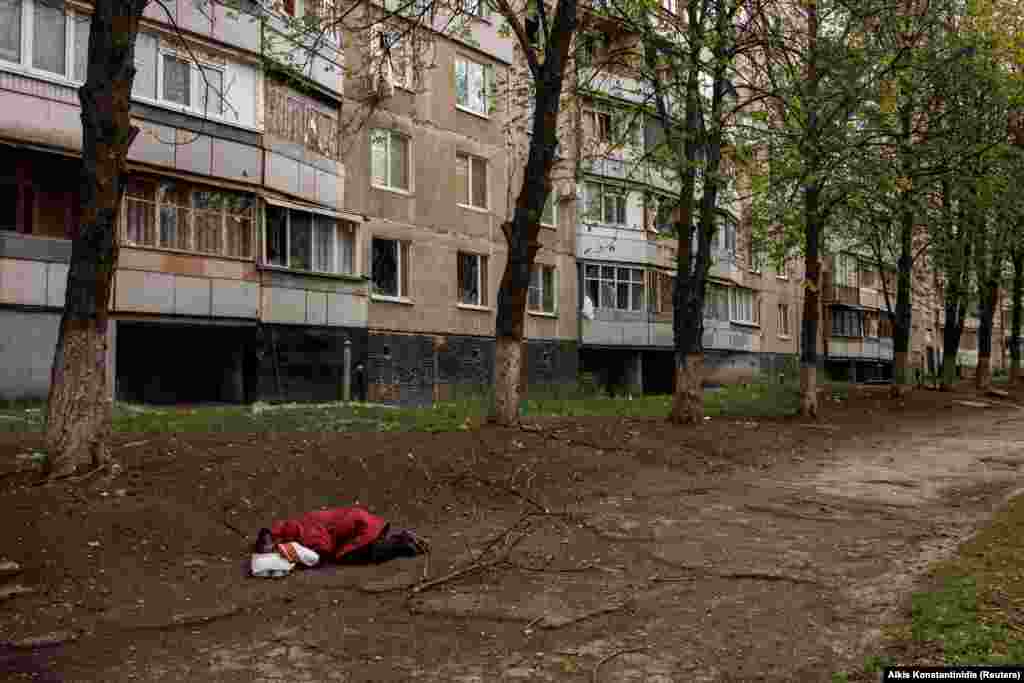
x,y
570,550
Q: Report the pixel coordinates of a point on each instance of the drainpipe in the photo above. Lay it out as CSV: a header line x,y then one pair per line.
x,y
346,372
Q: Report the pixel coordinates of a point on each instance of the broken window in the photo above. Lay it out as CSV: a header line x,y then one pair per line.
x,y
390,268
472,276
542,293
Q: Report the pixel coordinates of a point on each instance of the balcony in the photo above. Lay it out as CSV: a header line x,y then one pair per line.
x,y
867,348
214,232
840,294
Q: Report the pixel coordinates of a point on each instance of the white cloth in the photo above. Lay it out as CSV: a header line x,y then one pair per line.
x,y
270,565
588,308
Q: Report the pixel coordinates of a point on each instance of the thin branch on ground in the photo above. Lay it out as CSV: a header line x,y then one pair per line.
x,y
595,676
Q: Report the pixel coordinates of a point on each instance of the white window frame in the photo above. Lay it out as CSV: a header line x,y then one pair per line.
x,y
736,312
27,43
615,281
603,191
481,280
196,83
390,135
402,248
847,266
336,248
785,321
469,181
478,9
487,76
540,269
783,273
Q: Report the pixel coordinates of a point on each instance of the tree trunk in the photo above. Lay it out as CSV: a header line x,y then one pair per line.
x,y
508,368
79,406
688,399
1015,321
902,322
989,302
521,233
812,308
951,332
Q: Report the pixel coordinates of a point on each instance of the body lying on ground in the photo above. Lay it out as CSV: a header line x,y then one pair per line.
x,y
344,534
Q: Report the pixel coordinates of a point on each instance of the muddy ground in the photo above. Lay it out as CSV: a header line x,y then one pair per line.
x,y
570,550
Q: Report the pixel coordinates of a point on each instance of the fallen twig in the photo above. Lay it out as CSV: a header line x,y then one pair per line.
x,y
607,658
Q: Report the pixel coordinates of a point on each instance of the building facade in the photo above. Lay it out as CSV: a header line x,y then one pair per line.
x,y
295,221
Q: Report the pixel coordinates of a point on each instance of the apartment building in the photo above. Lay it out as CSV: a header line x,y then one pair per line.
x,y
285,226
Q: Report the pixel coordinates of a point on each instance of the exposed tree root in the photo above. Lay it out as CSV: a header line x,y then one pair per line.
x,y
595,675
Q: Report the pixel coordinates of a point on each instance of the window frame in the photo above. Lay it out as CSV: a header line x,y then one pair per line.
x,y
390,135
336,255
842,329
541,269
402,261
603,192
483,301
784,321
470,158
26,44
488,78
614,282
735,306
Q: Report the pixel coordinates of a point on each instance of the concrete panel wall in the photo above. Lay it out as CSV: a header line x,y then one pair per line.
x,y
27,344
32,283
235,298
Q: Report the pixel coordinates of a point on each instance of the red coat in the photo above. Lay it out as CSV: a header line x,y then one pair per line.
x,y
331,533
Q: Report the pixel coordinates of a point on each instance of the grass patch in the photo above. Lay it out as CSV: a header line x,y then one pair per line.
x,y
972,610
759,399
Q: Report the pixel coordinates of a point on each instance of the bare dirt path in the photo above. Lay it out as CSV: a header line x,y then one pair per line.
x,y
752,551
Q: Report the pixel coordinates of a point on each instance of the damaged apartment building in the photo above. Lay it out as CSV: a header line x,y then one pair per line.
x,y
269,238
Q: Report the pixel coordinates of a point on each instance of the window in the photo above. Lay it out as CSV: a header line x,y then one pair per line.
x,y
48,36
605,203
615,287
59,37
174,214
476,8
390,159
662,288
549,217
784,324
598,124
10,30
176,80
847,323
541,295
471,176
472,85
783,273
716,303
472,274
211,85
390,268
725,240
743,306
145,66
300,240
397,47
757,258
80,33
846,270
